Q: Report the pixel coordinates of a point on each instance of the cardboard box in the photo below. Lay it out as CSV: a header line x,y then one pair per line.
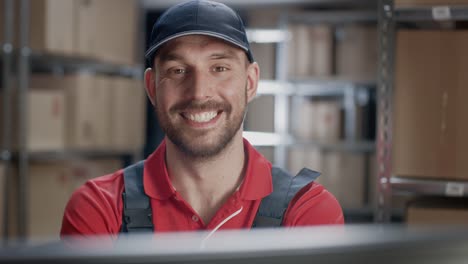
x,y
317,120
105,33
50,187
90,28
52,26
88,109
430,2
128,114
437,211
356,52
45,115
265,55
105,113
343,174
310,52
430,128
260,114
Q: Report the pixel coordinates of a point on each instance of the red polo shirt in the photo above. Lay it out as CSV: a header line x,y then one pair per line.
x,y
96,207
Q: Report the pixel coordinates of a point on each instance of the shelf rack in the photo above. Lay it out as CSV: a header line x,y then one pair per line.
x,y
282,88
389,16
430,187
23,61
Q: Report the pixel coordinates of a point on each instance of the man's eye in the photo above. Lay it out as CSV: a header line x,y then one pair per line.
x,y
220,69
178,71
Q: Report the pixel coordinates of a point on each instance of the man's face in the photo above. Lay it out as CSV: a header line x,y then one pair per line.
x,y
202,87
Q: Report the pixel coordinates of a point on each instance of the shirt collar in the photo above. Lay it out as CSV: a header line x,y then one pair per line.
x,y
257,182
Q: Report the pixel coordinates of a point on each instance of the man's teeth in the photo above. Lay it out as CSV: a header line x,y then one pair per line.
x,y
202,117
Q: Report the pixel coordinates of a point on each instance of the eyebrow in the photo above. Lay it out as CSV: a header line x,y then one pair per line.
x,y
224,55
170,57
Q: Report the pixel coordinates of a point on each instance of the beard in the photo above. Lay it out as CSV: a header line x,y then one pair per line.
x,y
202,144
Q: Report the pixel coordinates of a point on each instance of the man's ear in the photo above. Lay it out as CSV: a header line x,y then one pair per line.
x,y
253,75
150,85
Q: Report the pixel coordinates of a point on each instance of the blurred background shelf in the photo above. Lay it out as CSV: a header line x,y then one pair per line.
x,y
314,87
430,187
440,12
272,139
44,156
61,64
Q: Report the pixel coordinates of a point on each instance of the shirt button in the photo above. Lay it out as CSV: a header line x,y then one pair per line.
x,y
195,218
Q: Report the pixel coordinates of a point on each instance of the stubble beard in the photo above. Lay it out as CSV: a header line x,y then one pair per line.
x,y
197,145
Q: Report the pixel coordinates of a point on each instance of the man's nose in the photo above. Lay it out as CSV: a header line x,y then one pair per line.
x,y
201,85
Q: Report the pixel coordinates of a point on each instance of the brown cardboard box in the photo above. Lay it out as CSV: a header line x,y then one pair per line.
x,y
51,25
260,114
343,174
50,187
437,211
88,109
310,51
128,114
107,30
356,53
430,2
265,55
317,120
105,113
45,115
430,127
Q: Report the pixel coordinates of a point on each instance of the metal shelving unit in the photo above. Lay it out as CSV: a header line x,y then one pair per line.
x,y
285,91
389,16
23,61
283,88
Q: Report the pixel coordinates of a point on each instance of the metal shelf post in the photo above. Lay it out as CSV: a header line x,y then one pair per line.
x,y
386,42
281,114
7,54
23,85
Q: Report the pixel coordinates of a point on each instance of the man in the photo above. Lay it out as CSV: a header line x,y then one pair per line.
x,y
204,175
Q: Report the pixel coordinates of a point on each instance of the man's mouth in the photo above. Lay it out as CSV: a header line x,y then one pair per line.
x,y
201,117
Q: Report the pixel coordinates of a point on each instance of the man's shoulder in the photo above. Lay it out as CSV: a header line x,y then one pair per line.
x,y
314,205
109,186
94,207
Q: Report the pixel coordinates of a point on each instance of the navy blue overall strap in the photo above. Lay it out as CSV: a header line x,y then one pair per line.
x,y
272,208
137,213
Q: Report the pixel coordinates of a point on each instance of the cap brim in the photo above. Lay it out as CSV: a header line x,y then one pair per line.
x,y
150,52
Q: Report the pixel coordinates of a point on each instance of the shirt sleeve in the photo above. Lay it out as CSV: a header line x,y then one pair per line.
x,y
95,208
313,205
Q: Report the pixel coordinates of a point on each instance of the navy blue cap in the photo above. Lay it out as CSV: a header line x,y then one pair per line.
x,y
200,17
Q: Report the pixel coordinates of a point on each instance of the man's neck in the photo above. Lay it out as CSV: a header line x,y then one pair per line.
x,y
206,184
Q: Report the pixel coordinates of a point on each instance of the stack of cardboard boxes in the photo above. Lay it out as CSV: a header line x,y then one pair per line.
x,y
76,111
430,127
106,30
346,52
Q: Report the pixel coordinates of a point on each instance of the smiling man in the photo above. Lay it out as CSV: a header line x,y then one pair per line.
x,y
204,175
